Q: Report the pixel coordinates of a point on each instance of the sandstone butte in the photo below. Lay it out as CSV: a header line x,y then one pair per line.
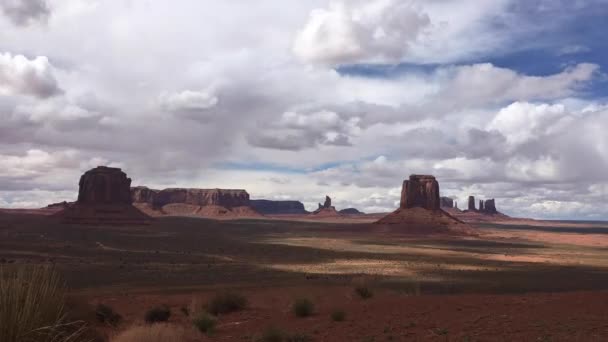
x,y
420,211
103,198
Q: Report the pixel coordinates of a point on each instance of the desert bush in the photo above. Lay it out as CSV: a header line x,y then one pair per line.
x,y
32,307
338,316
226,303
154,333
105,314
272,334
303,307
364,292
185,311
157,315
298,337
205,322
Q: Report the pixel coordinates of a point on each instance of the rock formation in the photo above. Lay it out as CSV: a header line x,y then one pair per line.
x,y
268,207
104,185
447,202
326,209
420,191
489,207
471,206
419,211
104,197
351,211
193,202
480,205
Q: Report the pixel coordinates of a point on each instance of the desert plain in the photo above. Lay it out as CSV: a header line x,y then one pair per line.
x,y
513,280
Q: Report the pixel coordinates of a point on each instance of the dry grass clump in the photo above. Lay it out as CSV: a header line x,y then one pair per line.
x,y
151,333
32,307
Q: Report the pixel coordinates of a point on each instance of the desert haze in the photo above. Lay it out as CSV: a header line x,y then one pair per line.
x,y
298,171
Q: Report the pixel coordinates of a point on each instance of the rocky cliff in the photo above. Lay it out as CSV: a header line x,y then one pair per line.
x,y
269,207
420,191
198,197
193,202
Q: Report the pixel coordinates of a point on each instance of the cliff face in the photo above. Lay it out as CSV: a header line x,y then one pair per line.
x,y
104,185
104,198
278,207
420,191
197,197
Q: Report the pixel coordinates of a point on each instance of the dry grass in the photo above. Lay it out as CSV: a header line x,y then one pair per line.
x,y
151,333
32,307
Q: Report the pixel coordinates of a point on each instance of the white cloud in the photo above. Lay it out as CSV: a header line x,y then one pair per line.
x,y
22,76
349,32
189,101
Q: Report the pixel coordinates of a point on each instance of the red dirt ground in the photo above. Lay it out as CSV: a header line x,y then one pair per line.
x,y
392,316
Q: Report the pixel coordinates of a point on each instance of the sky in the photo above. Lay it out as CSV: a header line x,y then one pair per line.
x,y
295,100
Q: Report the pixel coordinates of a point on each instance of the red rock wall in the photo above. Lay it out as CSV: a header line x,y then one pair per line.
x,y
420,191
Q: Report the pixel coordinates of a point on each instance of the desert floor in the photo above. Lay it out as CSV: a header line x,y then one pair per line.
x,y
515,281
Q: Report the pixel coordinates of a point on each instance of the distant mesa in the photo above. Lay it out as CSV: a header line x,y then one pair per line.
x,y
269,207
212,203
326,209
351,211
420,211
103,198
446,202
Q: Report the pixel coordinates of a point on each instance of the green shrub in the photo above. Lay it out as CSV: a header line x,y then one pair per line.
x,y
157,314
32,307
298,337
105,314
205,323
303,307
272,335
364,292
226,303
338,316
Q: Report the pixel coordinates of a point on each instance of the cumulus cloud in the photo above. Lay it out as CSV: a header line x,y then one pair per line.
x,y
349,32
188,101
295,131
24,12
22,76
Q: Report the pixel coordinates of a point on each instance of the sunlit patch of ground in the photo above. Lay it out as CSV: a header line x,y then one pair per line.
x,y
556,255
414,270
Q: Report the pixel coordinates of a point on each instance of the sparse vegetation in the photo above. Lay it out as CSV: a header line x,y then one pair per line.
x,y
205,322
303,307
272,334
154,333
157,315
338,316
32,307
226,303
298,337
105,314
364,292
185,311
